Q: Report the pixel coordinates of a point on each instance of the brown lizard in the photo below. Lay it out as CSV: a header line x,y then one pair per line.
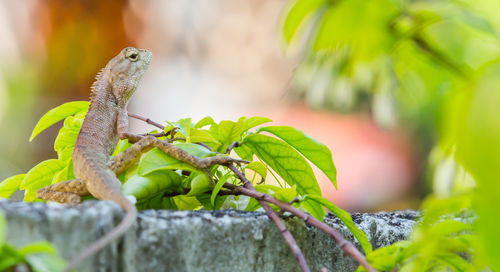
x,y
105,123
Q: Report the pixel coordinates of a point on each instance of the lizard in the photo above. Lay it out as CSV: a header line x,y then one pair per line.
x,y
104,124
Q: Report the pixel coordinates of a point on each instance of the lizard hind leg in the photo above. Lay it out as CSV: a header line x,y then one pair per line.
x,y
69,192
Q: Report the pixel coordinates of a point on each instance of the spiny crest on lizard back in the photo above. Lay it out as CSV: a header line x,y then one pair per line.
x,y
93,88
123,73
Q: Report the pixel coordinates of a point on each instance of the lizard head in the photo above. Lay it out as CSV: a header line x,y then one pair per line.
x,y
125,71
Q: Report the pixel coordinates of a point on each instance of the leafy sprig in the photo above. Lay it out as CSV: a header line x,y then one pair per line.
x,y
160,181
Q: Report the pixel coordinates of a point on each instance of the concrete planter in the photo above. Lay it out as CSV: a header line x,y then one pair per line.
x,y
163,240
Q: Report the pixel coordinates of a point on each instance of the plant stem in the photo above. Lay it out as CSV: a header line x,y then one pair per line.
x,y
147,120
344,244
299,256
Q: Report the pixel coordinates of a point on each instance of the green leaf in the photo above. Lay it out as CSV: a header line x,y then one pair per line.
x,y
313,208
3,228
282,194
66,138
244,152
229,132
386,258
345,217
187,202
255,121
204,122
283,159
313,150
45,262
296,15
152,184
258,167
156,159
203,136
195,149
121,146
38,247
57,114
217,187
40,176
199,185
204,199
64,174
185,128
65,154
10,185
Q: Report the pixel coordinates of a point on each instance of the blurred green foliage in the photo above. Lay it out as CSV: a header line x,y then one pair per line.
x,y
432,65
37,257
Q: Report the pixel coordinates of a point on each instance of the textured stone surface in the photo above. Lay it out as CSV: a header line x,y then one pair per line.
x,y
163,240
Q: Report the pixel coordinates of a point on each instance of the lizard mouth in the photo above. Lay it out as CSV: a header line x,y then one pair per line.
x,y
146,56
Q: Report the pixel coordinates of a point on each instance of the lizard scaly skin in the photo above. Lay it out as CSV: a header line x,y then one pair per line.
x,y
105,123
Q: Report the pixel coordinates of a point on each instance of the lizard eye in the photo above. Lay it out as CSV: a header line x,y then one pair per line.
x,y
132,54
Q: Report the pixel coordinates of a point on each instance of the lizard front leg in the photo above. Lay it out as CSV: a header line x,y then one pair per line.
x,y
143,144
125,159
69,191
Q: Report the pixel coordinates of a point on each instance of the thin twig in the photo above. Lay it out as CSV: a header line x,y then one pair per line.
x,y
186,191
299,256
263,199
147,120
233,145
204,145
344,244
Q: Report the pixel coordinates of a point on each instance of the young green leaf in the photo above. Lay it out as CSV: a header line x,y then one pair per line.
x,y
255,121
43,257
386,258
187,202
314,208
204,199
296,16
204,122
258,167
199,185
287,162
3,228
313,150
229,132
121,146
10,185
345,217
185,128
201,135
63,175
57,114
152,184
195,149
156,159
217,188
244,152
65,139
40,176
282,194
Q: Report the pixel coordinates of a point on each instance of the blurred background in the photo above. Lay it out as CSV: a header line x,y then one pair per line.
x,y
376,81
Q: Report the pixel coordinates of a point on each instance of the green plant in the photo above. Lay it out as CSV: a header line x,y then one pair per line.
x,y
38,257
158,181
435,64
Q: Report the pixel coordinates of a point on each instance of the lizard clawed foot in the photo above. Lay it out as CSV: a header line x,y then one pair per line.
x,y
61,197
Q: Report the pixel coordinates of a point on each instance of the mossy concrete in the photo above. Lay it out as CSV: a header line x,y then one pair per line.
x,y
163,240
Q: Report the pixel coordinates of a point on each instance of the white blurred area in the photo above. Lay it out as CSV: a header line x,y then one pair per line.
x,y
217,58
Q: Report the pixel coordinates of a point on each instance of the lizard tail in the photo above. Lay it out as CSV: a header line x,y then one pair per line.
x,y
125,224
